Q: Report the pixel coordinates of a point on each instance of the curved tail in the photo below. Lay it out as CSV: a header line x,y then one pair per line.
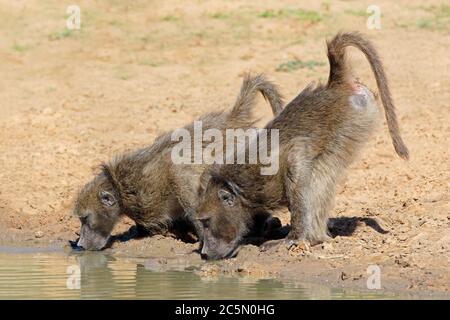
x,y
246,98
340,75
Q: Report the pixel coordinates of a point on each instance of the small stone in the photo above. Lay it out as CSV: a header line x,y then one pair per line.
x,y
47,111
402,263
344,276
300,248
38,234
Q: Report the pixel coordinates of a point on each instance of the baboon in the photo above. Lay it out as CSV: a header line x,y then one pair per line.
x,y
148,187
320,132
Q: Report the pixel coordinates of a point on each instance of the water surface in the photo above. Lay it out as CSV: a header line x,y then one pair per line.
x,y
26,274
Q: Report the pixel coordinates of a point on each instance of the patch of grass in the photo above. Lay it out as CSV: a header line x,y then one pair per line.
x,y
171,18
19,48
300,14
115,23
402,25
199,34
425,24
326,5
269,14
120,72
439,21
58,35
293,65
442,11
358,13
123,76
146,38
220,15
148,62
306,15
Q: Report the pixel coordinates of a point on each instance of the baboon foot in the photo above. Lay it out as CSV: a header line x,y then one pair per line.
x,y
275,244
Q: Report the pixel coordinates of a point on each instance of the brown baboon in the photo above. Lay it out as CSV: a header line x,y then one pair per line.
x,y
148,187
320,132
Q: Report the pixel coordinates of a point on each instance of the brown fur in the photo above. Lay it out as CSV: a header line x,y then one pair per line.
x,y
146,186
339,76
321,131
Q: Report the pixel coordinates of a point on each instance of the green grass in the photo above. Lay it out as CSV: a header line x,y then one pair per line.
x,y
220,15
358,13
199,34
115,23
58,35
425,24
299,14
293,65
171,18
442,11
439,20
121,72
19,48
148,62
269,14
148,38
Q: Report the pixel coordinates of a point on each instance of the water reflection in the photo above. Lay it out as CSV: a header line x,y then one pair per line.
x,y
100,276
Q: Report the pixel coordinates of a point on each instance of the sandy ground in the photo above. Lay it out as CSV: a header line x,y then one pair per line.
x,y
69,100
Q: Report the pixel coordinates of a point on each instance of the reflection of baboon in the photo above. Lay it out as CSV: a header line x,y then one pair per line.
x,y
148,187
321,130
97,279
165,285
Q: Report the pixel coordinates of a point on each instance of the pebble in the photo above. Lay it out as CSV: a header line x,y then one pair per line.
x,y
344,276
38,234
47,111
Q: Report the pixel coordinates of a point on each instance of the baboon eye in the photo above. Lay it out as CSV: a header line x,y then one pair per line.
x,y
107,198
205,221
226,197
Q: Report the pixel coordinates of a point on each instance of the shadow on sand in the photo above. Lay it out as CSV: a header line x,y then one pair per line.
x,y
341,226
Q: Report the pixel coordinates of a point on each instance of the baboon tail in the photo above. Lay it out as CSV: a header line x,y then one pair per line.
x,y
340,75
250,86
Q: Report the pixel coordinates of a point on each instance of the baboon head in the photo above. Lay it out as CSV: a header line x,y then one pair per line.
x,y
98,209
224,217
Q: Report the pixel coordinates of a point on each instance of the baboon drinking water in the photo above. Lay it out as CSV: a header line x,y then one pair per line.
x,y
320,132
148,187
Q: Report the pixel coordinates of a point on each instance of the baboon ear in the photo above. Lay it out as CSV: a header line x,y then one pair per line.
x,y
204,179
107,198
226,197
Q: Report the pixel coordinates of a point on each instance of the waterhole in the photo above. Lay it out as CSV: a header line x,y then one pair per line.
x,y
28,274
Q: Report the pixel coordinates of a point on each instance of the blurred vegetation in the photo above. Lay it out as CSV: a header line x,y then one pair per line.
x,y
358,13
439,19
293,65
171,18
58,35
19,47
300,14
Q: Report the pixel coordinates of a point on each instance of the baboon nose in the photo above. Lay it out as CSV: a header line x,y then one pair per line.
x,y
204,256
